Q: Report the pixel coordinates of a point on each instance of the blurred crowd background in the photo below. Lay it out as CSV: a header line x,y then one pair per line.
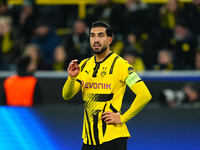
x,y
158,38
38,35
151,36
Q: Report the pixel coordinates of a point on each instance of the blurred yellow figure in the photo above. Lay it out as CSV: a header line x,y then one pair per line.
x,y
136,62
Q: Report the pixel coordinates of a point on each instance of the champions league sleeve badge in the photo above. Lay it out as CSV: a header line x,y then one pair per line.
x,y
130,70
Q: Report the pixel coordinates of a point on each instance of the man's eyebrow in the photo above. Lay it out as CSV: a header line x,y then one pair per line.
x,y
101,33
97,33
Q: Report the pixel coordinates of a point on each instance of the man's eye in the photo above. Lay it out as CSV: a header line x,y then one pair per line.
x,y
92,35
101,35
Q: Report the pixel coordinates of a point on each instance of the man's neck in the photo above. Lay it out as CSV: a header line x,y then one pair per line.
x,y
100,57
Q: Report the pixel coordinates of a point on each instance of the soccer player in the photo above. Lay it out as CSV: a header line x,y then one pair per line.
x,y
102,80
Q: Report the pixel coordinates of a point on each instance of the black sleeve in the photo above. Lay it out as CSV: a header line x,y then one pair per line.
x,y
38,97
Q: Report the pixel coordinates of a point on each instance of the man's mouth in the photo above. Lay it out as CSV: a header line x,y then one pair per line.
x,y
96,45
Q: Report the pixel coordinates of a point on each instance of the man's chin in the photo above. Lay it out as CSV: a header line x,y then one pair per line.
x,y
98,50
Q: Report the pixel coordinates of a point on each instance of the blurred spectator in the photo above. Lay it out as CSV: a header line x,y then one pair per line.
x,y
117,44
197,59
22,89
191,91
61,59
9,10
135,17
133,51
189,94
47,40
192,12
11,43
135,61
169,13
107,11
134,5
165,60
183,43
139,21
4,8
101,10
77,42
33,51
133,43
58,16
27,19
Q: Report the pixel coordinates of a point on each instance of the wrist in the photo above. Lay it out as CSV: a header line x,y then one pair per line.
x,y
119,116
72,78
122,119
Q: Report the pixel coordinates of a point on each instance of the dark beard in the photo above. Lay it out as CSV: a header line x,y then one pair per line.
x,y
99,52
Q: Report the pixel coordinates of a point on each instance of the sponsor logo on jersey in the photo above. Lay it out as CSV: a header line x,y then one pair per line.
x,y
94,85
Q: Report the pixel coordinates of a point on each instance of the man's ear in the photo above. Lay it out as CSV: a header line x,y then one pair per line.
x,y
110,40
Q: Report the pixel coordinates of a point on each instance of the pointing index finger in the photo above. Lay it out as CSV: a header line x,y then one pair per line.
x,y
75,61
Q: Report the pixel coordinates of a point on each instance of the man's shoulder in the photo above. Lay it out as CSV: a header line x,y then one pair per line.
x,y
85,61
17,78
119,59
8,79
122,65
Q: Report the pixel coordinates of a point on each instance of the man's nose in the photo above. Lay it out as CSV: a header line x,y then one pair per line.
x,y
96,41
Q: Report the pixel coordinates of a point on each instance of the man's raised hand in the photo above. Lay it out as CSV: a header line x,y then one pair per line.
x,y
73,68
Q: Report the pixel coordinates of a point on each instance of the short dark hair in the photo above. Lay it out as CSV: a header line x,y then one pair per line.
x,y
23,63
105,25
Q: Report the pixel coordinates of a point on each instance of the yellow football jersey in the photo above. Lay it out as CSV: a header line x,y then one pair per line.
x,y
103,86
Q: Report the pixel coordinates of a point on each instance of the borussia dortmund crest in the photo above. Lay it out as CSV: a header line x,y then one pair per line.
x,y
103,72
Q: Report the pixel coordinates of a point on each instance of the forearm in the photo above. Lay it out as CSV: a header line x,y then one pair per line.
x,y
70,88
143,96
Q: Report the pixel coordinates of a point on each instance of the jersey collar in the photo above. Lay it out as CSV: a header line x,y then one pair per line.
x,y
103,59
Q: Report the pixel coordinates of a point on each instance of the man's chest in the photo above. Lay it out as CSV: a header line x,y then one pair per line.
x,y
99,77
